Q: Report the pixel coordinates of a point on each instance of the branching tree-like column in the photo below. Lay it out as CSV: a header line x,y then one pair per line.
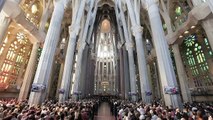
x,y
207,26
82,44
28,77
181,74
122,84
137,32
74,31
129,48
166,70
42,76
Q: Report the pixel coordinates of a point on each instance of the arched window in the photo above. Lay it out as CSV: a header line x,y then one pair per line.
x,y
195,52
15,60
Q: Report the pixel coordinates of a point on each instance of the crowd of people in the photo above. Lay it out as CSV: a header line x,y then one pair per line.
x,y
49,110
88,108
125,110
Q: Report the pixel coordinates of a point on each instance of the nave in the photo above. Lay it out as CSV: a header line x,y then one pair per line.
x,y
134,49
104,112
102,109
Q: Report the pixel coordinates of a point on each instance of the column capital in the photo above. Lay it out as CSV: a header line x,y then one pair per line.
x,y
148,3
80,45
74,29
129,45
120,45
137,29
175,48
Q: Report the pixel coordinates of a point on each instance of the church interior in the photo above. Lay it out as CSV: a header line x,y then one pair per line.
x,y
130,49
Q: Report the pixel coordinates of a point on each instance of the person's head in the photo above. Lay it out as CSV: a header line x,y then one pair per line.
x,y
210,117
177,110
1,109
199,114
142,117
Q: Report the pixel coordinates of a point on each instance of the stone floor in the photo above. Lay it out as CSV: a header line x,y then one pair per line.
x,y
104,112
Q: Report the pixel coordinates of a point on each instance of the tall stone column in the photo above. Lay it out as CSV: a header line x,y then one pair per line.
x,y
110,76
158,90
131,72
29,74
130,57
163,55
111,80
2,4
116,78
47,55
76,86
181,75
96,76
99,76
107,69
207,26
142,66
66,79
122,84
131,67
83,71
68,65
102,70
90,72
102,76
4,24
91,80
82,44
118,75
137,32
51,87
126,71
60,79
149,74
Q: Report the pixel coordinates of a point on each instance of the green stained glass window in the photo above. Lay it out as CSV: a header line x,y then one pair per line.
x,y
164,26
208,47
206,41
195,54
178,11
189,41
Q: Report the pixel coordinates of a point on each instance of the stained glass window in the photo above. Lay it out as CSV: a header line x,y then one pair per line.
x,y
178,11
15,58
195,54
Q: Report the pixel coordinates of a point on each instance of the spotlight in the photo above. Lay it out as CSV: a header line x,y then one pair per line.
x,y
192,27
186,32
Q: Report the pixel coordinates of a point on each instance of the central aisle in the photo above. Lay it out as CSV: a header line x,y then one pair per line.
x,y
104,112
